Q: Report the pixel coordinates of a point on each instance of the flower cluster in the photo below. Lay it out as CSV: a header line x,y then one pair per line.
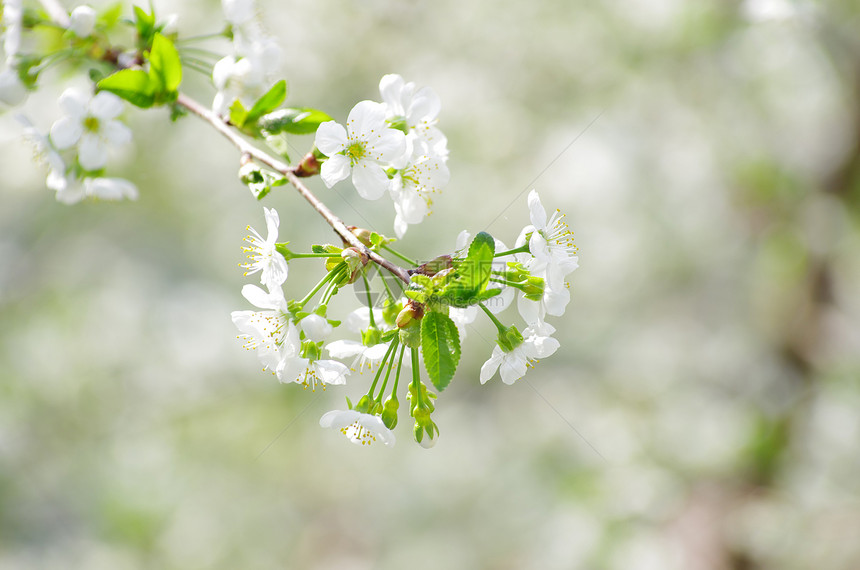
x,y
391,146
76,151
545,255
247,73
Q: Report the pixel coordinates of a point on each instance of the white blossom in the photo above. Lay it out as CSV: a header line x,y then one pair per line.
x,y
264,256
249,71
366,147
270,331
552,254
90,125
418,109
361,354
309,373
512,365
412,187
359,428
82,21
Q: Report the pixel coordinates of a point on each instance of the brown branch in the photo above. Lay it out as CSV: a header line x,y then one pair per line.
x,y
290,174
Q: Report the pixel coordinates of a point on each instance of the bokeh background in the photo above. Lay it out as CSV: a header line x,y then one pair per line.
x,y
703,412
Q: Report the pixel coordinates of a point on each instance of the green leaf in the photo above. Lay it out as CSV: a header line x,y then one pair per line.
x,y
133,85
145,25
270,101
478,267
165,66
440,345
297,121
238,114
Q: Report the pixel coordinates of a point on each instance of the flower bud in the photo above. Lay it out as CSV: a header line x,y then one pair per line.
x,y
410,315
390,312
362,234
389,412
309,166
434,266
82,21
425,433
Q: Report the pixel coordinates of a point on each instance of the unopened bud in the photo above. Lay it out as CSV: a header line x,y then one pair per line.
x,y
389,412
434,266
410,315
309,166
362,234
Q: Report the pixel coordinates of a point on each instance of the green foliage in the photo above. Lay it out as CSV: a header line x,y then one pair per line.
x,y
440,345
246,119
473,274
144,89
145,24
297,121
133,85
165,68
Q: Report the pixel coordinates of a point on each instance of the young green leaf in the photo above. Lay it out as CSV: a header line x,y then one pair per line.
x,y
238,114
440,345
133,85
268,102
478,267
297,121
165,66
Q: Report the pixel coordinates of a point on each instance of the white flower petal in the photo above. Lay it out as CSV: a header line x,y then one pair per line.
x,y
344,348
12,90
330,138
116,133
491,365
74,102
366,119
537,211
334,169
369,180
390,88
513,366
66,131
111,188
105,106
92,152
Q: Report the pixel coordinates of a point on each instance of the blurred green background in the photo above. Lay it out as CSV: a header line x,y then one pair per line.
x,y
703,412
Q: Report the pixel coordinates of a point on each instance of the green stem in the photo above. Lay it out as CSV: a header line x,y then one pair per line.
x,y
400,255
506,282
369,302
502,328
328,277
391,296
522,249
394,342
397,375
391,347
